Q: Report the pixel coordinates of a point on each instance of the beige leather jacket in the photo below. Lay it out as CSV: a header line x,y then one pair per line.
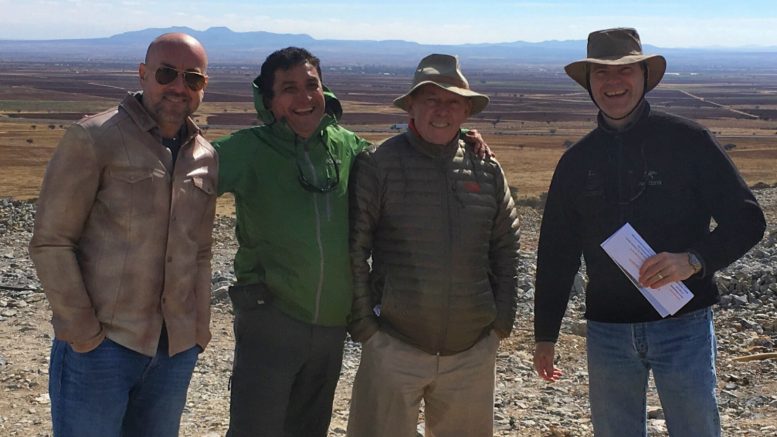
x,y
122,240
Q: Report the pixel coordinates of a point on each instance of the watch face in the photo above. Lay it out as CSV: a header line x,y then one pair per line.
x,y
695,263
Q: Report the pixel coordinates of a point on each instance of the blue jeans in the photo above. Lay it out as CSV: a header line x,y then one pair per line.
x,y
681,353
113,391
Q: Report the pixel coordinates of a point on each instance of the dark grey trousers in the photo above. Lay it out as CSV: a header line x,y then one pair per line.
x,y
284,376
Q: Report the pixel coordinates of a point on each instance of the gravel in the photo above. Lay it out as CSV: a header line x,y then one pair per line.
x,y
525,406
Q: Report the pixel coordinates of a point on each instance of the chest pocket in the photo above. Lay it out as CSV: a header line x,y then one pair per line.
x,y
131,175
204,185
134,190
192,200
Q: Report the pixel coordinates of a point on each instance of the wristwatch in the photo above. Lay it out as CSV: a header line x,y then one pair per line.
x,y
695,263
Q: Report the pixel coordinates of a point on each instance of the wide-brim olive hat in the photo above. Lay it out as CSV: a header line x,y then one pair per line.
x,y
619,46
443,71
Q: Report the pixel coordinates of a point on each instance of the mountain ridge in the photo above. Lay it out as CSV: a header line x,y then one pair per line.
x,y
228,47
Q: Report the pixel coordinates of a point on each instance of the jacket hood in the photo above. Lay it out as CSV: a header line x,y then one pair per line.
x,y
333,106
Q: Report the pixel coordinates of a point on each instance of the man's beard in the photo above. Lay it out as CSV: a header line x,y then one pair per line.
x,y
168,112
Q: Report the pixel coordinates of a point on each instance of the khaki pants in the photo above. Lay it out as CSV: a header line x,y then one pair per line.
x,y
393,377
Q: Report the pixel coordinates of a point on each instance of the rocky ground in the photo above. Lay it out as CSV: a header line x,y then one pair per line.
x,y
525,406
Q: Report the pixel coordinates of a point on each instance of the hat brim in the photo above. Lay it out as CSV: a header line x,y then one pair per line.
x,y
479,101
656,67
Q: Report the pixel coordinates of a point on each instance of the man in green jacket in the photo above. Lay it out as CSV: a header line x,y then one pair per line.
x,y
289,177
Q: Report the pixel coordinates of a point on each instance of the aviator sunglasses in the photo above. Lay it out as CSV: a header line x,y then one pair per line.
x,y
331,184
195,81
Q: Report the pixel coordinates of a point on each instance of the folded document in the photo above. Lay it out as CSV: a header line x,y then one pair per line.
x,y
627,248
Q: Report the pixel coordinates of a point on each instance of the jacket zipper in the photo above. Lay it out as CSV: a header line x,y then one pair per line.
x,y
319,243
620,176
446,199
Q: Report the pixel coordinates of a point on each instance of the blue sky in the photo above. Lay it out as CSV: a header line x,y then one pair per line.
x,y
682,23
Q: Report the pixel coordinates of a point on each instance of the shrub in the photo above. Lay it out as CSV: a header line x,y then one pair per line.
x,y
536,202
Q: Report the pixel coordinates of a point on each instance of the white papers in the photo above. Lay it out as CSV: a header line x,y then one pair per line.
x,y
627,248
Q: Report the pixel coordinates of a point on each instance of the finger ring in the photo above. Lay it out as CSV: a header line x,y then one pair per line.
x,y
659,276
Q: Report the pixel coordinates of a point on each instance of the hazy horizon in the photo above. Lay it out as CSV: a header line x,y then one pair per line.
x,y
664,23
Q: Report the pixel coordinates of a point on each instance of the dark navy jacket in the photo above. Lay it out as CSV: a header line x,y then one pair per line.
x,y
669,178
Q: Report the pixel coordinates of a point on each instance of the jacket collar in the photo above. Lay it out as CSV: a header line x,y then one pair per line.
x,y
434,151
634,128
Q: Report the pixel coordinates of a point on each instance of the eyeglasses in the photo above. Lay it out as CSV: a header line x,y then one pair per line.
x,y
331,184
195,81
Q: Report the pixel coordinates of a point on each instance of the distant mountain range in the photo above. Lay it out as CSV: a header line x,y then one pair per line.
x,y
227,47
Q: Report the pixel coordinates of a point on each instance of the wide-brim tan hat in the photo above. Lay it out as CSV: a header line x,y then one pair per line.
x,y
443,71
618,46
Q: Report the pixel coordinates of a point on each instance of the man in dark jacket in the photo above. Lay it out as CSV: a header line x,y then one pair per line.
x,y
668,178
441,228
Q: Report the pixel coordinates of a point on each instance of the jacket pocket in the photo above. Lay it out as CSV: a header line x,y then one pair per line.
x,y
131,175
132,191
205,185
383,296
194,197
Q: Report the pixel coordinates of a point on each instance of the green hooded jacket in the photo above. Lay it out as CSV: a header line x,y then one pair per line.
x,y
293,239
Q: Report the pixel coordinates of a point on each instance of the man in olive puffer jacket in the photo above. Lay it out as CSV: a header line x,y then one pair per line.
x,y
443,233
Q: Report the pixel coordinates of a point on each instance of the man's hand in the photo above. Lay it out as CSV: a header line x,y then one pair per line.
x,y
665,268
544,353
479,146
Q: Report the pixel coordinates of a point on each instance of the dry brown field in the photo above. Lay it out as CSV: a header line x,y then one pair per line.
x,y
532,116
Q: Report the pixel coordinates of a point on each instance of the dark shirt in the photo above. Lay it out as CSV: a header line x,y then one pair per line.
x,y
174,144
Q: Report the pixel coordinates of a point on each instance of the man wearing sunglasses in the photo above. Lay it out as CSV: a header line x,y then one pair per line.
x,y
668,178
122,246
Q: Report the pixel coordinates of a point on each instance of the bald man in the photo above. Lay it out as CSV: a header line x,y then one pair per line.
x,y
122,246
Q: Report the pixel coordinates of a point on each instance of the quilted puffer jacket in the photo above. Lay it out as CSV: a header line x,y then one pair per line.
x,y
443,233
